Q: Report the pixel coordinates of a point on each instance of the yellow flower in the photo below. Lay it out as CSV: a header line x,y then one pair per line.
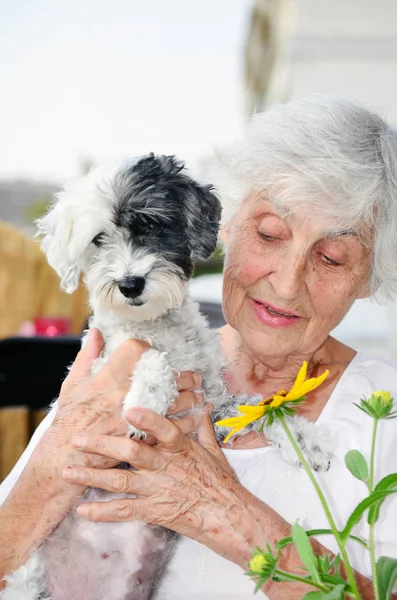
x,y
253,413
382,397
257,564
379,405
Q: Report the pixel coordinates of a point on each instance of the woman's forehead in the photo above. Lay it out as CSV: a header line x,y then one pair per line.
x,y
302,215
320,223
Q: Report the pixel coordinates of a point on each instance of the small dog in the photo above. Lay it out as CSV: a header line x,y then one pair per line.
x,y
134,231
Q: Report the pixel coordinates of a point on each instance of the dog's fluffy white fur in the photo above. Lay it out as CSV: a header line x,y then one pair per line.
x,y
134,231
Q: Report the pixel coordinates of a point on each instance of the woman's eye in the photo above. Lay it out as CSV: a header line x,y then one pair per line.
x,y
99,239
265,236
329,261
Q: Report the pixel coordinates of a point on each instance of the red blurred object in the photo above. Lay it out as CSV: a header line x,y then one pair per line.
x,y
52,326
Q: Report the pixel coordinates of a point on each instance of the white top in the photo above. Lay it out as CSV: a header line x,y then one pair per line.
x,y
196,572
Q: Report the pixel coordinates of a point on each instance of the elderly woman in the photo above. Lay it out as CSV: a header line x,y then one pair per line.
x,y
310,205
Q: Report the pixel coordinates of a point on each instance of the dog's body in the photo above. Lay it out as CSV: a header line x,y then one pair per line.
x,y
134,232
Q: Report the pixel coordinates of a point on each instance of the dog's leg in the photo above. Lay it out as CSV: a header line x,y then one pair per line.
x,y
28,582
153,386
312,439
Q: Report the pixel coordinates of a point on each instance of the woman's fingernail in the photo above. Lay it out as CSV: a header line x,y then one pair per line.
x,y
199,398
82,510
79,441
134,415
197,379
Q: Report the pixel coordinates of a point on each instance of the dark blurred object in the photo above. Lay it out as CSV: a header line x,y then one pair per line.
x,y
32,369
31,373
52,326
214,314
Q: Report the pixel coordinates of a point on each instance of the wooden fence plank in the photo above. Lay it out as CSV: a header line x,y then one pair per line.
x,y
36,418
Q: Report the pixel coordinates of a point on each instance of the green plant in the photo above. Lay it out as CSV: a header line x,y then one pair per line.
x,y
323,572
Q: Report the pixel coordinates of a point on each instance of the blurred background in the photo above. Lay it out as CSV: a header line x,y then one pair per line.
x,y
87,81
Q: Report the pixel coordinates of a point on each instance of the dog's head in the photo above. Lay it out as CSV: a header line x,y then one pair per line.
x,y
134,231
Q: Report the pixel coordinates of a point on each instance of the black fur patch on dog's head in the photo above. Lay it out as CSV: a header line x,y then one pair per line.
x,y
166,211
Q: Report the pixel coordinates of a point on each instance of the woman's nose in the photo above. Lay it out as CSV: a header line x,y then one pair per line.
x,y
288,277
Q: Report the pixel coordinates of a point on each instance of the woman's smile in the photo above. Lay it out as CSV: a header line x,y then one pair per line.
x,y
274,316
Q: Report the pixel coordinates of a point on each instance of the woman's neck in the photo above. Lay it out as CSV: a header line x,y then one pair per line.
x,y
266,375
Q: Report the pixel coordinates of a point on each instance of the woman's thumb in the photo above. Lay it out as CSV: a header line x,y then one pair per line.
x,y
206,433
91,349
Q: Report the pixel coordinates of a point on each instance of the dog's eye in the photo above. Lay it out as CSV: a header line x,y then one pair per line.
x,y
154,227
99,239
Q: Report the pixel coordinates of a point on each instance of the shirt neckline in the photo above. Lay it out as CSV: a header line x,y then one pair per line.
x,y
320,418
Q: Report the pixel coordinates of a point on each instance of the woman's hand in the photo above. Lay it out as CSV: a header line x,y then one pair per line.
x,y
183,484
92,402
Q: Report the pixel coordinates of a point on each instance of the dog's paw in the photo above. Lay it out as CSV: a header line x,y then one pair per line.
x,y
314,444
135,434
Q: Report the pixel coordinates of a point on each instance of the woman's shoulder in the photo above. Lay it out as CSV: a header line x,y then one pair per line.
x,y
366,373
381,371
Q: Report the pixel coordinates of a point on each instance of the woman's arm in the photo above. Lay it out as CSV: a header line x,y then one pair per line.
x,y
189,487
87,403
34,507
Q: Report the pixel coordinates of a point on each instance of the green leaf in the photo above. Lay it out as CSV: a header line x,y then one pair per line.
x,y
360,510
336,579
367,408
312,532
305,550
386,569
387,483
357,465
337,593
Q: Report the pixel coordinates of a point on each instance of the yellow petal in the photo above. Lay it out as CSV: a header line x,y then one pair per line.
x,y
232,432
306,387
243,422
277,401
238,423
227,422
247,409
300,378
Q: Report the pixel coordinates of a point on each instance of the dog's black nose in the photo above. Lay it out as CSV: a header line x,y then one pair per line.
x,y
132,287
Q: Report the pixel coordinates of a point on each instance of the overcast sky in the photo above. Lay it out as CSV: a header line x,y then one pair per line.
x,y
108,79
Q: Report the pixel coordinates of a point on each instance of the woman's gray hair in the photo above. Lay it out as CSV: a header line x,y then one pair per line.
x,y
327,154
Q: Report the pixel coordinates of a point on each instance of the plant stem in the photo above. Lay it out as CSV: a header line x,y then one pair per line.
x,y
294,577
372,525
344,555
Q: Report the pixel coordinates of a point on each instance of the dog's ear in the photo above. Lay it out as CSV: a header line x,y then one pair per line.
x,y
69,227
203,214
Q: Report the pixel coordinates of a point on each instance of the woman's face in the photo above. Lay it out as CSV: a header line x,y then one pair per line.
x,y
289,281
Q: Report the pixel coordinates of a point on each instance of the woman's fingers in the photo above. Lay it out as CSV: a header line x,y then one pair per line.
x,y
111,480
125,509
164,430
188,423
206,433
188,380
185,401
122,449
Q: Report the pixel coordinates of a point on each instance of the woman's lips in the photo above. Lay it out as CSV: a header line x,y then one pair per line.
x,y
273,316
